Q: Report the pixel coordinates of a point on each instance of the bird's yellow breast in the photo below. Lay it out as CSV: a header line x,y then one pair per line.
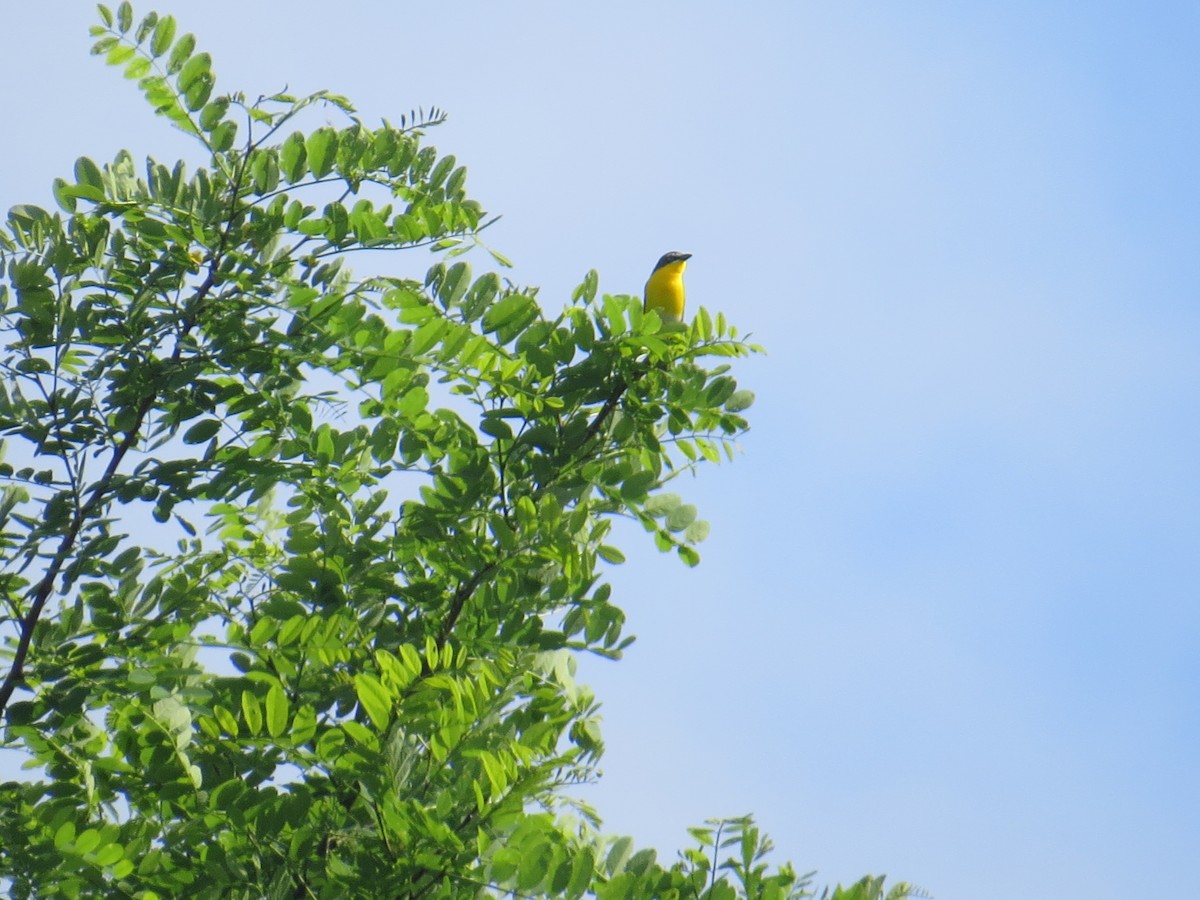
x,y
664,291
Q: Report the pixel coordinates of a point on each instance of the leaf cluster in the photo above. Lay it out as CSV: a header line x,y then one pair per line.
x,y
295,564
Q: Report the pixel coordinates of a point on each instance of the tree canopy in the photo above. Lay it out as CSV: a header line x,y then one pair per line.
x,y
295,563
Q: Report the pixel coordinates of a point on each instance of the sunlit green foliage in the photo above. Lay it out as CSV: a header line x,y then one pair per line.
x,y
294,563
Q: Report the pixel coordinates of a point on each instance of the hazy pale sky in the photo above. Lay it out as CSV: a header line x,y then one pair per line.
x,y
947,622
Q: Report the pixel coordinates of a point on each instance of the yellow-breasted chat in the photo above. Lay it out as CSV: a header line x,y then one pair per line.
x,y
664,289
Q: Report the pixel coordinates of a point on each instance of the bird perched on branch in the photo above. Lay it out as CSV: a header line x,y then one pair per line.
x,y
664,290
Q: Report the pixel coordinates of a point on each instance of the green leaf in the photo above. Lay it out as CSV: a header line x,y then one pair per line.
x,y
384,437
164,33
454,286
251,712
213,113
637,485
63,195
137,68
620,851
180,54
201,431
534,866
146,26
681,517
610,554
496,427
375,699
719,390
293,157
103,45
321,148
514,307
441,170
226,720
120,54
88,173
87,841
454,187
583,868
109,855
414,401
194,70
124,16
64,836
199,90
587,289
277,711
739,400
662,504
324,446
480,296
410,659
223,135
361,734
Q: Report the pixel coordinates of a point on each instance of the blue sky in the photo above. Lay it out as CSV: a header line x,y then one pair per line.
x,y
946,625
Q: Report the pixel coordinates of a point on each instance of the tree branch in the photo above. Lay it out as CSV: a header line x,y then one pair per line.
x,y
45,587
461,596
606,411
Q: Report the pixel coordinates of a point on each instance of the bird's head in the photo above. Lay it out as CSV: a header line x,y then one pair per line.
x,y
673,257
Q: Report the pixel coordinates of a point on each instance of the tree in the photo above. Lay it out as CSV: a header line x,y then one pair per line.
x,y
342,666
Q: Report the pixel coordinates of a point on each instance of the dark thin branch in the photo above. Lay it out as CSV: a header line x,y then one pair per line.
x,y
461,596
606,411
45,587
469,587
